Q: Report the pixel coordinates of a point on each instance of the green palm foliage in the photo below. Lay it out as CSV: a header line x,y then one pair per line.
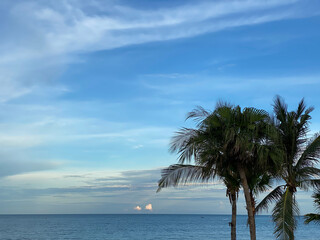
x,y
228,140
258,182
298,168
314,217
190,143
180,174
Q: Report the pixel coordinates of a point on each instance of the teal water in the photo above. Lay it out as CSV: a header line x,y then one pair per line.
x,y
138,227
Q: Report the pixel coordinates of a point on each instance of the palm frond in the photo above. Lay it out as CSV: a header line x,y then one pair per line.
x,y
255,113
312,217
310,183
180,174
185,143
305,178
301,108
259,181
280,108
302,117
198,114
284,214
316,197
307,173
311,154
274,195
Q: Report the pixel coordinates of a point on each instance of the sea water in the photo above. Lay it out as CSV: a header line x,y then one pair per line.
x,y
140,226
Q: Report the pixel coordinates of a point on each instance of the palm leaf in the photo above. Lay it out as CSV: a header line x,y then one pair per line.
x,y
280,108
198,114
284,214
311,154
180,174
312,217
185,143
274,195
316,197
313,183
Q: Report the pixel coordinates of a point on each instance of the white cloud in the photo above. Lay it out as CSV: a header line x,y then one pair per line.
x,y
138,208
148,207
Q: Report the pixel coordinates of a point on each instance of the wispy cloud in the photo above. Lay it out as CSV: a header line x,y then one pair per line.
x,y
18,163
57,133
203,83
70,27
54,32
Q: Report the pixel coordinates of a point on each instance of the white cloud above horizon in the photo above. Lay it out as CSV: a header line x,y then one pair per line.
x,y
148,207
138,208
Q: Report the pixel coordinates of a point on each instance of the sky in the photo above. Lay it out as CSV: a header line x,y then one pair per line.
x,y
92,91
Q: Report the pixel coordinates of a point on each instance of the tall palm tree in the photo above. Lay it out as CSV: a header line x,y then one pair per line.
x,y
227,138
314,217
248,136
298,166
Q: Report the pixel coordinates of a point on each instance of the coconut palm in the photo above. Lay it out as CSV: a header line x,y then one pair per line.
x,y
247,134
298,166
180,174
314,217
190,143
227,138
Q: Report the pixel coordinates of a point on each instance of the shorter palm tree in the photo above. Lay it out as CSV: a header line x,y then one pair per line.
x,y
314,217
180,174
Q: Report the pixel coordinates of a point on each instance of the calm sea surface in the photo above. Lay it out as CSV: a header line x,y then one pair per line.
x,y
138,227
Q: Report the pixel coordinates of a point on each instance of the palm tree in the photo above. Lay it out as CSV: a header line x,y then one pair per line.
x,y
248,137
227,138
314,217
298,166
193,143
179,174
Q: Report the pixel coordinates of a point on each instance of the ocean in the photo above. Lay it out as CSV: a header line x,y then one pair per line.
x,y
139,227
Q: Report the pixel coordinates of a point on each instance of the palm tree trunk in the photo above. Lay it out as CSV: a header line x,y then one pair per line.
x,y
234,215
253,204
246,191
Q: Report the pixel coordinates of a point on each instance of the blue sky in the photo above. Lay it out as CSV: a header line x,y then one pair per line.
x,y
92,91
